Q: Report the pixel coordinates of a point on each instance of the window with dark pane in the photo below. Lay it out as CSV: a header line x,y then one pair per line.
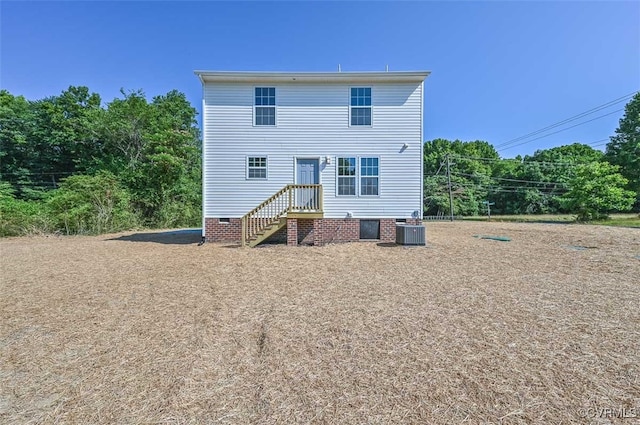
x,y
369,175
347,176
265,109
360,106
369,229
257,167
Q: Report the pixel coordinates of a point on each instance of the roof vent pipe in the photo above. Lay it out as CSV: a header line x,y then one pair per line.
x,y
339,70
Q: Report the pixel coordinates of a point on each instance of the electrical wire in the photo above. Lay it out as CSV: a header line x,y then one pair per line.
x,y
36,173
568,120
506,179
559,131
520,161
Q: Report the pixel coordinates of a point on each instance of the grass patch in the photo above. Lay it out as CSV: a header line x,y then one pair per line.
x,y
620,221
617,220
526,218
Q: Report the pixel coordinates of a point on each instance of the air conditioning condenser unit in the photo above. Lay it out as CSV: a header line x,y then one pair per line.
x,y
409,234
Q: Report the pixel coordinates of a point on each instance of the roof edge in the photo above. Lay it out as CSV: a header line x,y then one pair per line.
x,y
246,76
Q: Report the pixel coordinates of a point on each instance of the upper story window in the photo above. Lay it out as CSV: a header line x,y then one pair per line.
x,y
265,106
360,106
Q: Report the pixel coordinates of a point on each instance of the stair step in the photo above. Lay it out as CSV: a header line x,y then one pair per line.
x,y
267,231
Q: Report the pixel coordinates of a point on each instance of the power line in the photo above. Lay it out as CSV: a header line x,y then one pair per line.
x,y
490,186
559,131
437,172
507,179
568,120
597,143
36,173
519,161
514,189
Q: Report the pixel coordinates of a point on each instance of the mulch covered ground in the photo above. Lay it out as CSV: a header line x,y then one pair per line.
x,y
151,328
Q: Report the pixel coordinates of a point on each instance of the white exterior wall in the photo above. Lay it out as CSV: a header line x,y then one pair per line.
x,y
312,121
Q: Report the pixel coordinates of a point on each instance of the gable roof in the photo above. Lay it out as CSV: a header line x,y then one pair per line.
x,y
310,77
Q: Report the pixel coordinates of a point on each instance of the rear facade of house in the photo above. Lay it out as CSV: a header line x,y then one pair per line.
x,y
312,158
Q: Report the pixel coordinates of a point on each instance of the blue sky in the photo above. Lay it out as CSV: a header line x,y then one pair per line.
x,y
500,70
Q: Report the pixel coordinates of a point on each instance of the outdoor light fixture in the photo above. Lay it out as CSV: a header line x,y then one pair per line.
x,y
327,160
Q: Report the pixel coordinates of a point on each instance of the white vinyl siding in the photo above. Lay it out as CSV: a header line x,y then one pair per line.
x,y
313,121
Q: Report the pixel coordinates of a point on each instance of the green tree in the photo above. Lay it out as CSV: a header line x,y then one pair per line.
x,y
92,204
17,153
45,140
535,183
470,177
624,148
20,217
155,148
596,190
152,149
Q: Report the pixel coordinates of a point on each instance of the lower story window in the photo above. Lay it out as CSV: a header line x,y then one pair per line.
x,y
347,176
257,167
369,175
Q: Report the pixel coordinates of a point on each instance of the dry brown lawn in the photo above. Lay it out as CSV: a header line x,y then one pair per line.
x,y
151,328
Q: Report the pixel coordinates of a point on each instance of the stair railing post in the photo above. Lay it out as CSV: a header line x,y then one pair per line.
x,y
243,231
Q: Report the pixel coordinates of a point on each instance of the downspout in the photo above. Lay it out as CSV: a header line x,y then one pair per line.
x,y
421,209
202,163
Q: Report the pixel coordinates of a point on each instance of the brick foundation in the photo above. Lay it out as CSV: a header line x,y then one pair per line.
x,y
305,231
337,230
292,231
387,230
217,231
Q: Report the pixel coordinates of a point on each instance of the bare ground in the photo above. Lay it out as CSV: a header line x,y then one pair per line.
x,y
151,328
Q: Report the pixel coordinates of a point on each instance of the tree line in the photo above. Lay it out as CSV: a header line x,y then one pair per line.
x,y
574,179
71,164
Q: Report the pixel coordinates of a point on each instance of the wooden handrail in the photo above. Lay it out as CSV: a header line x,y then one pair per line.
x,y
292,197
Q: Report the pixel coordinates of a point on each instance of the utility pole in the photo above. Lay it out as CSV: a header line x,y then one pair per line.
x,y
449,183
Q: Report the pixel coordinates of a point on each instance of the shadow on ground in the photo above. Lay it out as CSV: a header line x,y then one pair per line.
x,y
172,237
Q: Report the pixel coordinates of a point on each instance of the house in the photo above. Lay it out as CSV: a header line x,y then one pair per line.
x,y
315,157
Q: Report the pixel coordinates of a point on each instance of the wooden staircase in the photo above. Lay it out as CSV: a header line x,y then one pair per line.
x,y
270,216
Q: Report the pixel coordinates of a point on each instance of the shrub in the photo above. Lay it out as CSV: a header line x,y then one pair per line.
x,y
596,190
92,204
19,217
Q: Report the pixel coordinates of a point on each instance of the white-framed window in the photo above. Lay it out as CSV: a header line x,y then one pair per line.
x,y
360,106
347,176
358,176
369,176
257,167
264,109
